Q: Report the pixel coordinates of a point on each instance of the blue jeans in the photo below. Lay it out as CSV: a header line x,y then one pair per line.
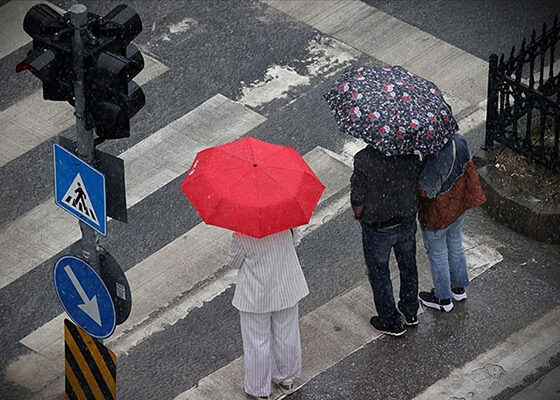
x,y
377,243
448,264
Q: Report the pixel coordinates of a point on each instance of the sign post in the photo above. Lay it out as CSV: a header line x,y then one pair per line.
x,y
86,147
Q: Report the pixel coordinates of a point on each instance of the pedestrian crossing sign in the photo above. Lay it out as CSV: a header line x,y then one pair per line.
x,y
79,189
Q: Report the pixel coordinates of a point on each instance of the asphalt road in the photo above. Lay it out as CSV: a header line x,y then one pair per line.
x,y
479,27
232,48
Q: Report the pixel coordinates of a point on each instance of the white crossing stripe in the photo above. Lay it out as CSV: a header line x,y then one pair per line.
x,y
458,74
163,277
31,121
149,165
11,24
506,365
335,330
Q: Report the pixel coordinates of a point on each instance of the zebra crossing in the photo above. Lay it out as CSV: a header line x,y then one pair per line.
x,y
350,315
186,274
210,247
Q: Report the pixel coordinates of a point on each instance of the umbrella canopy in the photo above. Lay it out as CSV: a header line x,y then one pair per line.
x,y
392,109
253,187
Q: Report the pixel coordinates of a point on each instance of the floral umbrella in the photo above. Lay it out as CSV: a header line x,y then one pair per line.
x,y
392,109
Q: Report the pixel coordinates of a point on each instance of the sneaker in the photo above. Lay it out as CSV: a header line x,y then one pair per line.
x,y
408,320
429,299
397,329
285,387
459,293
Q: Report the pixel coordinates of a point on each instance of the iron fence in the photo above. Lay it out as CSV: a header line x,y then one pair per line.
x,y
524,99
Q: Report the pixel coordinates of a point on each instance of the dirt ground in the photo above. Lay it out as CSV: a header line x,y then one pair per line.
x,y
529,177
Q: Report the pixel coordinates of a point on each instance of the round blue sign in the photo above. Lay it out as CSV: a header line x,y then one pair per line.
x,y
84,296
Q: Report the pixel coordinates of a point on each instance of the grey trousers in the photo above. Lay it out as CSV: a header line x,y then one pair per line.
x,y
271,349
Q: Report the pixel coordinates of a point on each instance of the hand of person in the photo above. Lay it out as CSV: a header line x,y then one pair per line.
x,y
358,210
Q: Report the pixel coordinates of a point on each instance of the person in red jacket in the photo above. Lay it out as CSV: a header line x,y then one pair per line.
x,y
448,186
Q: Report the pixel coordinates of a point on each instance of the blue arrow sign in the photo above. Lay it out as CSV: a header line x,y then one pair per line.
x,y
84,296
79,189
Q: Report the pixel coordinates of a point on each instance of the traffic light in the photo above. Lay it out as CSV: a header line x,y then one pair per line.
x,y
110,62
122,22
50,58
113,97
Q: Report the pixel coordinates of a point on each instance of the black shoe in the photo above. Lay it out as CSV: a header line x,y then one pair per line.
x,y
408,320
459,293
397,329
429,299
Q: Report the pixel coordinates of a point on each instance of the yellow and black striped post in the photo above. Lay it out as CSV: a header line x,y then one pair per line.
x,y
91,368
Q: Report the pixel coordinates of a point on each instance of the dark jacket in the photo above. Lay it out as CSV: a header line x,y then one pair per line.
x,y
385,187
443,201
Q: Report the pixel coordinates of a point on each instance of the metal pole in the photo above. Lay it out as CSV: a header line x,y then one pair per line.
x,y
492,104
86,147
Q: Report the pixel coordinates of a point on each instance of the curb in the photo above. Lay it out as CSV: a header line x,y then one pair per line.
x,y
520,211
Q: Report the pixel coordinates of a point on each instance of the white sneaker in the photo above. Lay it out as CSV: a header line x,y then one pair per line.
x,y
459,293
429,299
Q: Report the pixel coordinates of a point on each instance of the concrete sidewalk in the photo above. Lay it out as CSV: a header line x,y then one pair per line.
x,y
546,387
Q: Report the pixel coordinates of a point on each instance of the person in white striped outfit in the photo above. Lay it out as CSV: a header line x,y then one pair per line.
x,y
270,284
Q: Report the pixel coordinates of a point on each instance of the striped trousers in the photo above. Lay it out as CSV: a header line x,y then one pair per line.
x,y
271,349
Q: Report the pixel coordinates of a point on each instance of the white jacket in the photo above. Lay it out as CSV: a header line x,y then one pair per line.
x,y
270,276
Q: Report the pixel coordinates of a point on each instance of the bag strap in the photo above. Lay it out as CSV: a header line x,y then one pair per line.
x,y
452,163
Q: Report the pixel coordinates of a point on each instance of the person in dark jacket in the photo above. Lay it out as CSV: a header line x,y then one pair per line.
x,y
448,186
384,200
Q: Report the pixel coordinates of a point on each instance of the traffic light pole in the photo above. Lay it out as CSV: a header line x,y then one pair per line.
x,y
86,147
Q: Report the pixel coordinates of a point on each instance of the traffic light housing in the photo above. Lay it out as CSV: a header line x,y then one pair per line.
x,y
50,58
110,62
114,98
121,22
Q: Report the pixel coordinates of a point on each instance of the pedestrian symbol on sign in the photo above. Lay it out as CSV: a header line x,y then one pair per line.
x,y
77,198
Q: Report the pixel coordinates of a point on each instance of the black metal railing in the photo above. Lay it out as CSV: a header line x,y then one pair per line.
x,y
524,99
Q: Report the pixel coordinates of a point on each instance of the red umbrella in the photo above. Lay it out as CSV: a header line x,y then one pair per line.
x,y
253,187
